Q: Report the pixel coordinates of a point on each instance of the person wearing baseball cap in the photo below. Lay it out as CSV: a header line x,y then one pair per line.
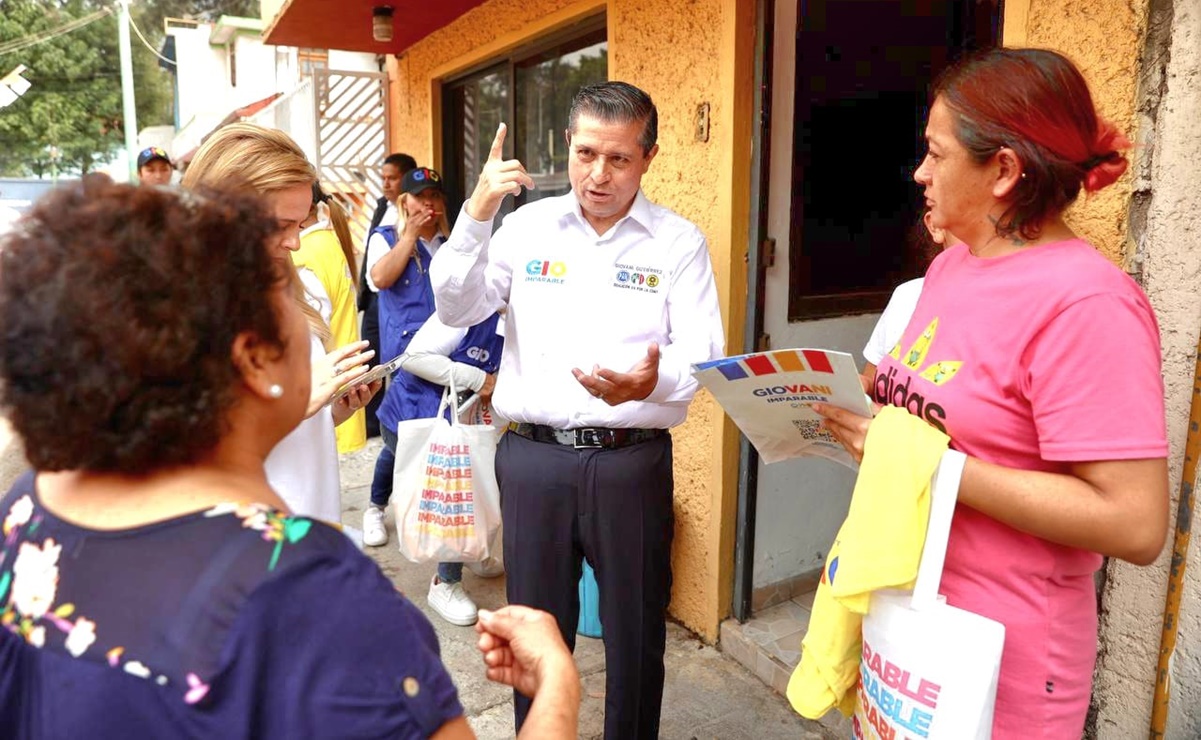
x,y
420,179
398,259
154,166
397,268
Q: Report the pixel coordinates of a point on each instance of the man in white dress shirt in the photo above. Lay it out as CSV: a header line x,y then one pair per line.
x,y
610,300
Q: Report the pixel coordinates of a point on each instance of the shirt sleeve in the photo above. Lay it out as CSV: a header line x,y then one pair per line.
x,y
892,323
377,247
428,356
470,273
695,332
1095,382
315,294
333,650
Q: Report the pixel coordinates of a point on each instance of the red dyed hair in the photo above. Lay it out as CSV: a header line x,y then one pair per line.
x,y
1035,102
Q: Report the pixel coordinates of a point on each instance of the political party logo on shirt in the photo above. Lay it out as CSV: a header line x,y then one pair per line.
x,y
546,271
643,279
890,389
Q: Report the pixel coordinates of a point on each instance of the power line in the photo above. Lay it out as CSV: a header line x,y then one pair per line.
x,y
42,36
146,43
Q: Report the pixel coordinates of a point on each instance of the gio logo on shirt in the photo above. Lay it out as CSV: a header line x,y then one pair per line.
x,y
545,271
478,354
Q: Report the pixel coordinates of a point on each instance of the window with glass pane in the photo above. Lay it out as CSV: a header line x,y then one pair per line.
x,y
545,86
473,108
531,91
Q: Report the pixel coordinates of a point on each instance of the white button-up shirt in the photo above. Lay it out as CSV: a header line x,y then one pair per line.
x,y
577,299
377,245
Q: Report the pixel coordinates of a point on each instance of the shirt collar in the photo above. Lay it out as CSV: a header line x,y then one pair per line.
x,y
432,244
639,213
321,224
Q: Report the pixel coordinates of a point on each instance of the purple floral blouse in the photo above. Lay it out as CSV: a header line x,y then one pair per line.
x,y
236,622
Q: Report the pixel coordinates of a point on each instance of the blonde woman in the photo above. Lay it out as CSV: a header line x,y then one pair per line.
x,y
303,467
327,251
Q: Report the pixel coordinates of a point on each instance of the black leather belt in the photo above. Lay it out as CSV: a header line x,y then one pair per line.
x,y
586,437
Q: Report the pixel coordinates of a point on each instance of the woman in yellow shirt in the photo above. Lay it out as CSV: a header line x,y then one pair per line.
x,y
327,251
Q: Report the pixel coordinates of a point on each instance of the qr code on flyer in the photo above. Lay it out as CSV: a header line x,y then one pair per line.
x,y
811,430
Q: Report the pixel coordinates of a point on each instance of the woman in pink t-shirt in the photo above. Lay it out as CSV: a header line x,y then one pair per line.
x,y
1041,360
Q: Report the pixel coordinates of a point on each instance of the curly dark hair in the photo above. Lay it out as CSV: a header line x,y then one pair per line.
x,y
121,305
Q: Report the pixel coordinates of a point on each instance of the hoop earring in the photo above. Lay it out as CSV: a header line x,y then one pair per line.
x,y
276,391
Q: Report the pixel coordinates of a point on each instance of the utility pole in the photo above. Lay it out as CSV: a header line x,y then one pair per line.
x,y
130,115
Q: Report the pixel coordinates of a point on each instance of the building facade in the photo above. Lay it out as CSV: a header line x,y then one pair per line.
x,y
777,122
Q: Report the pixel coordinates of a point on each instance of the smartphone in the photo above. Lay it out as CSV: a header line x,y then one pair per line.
x,y
376,373
466,399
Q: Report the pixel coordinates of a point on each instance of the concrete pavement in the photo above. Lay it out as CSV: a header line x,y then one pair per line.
x,y
707,694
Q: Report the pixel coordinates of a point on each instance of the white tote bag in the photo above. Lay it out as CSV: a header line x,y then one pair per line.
x,y
446,498
929,670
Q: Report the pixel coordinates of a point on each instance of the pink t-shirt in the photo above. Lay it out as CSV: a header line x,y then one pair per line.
x,y
1033,360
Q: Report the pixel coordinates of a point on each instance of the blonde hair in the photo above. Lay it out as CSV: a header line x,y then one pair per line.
x,y
340,224
263,160
402,216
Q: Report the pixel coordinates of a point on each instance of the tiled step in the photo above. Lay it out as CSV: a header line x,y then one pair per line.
x,y
769,646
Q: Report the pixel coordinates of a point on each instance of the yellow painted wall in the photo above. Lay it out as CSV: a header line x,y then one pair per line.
x,y
684,53
1103,38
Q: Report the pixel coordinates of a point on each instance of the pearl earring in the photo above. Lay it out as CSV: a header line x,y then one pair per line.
x,y
276,391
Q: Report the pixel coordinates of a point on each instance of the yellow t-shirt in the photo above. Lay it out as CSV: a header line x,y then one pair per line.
x,y
879,546
320,253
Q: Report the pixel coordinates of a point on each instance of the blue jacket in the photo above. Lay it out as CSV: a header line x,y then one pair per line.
x,y
406,304
411,397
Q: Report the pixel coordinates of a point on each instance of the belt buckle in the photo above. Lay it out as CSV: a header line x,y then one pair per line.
x,y
589,438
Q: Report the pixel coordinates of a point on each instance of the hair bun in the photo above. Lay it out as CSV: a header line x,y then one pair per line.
x,y
1108,164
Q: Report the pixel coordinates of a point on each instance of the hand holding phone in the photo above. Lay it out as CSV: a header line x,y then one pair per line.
x,y
379,372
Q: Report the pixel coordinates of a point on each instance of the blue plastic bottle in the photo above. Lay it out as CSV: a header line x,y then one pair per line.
x,y
590,623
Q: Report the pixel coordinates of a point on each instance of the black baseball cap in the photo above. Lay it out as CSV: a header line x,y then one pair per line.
x,y
150,154
419,180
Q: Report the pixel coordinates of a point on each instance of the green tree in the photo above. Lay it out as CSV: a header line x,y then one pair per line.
x,y
71,119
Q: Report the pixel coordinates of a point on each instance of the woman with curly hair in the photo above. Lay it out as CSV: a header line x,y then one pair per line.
x,y
304,467
1012,350
152,583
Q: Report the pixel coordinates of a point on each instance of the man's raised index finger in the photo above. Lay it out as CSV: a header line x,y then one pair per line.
x,y
498,144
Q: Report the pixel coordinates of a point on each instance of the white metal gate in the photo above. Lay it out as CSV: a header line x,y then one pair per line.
x,y
351,111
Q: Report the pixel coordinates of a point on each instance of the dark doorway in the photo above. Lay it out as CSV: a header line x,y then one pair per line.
x,y
864,70
846,83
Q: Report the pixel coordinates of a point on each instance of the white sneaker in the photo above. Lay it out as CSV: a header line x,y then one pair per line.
x,y
452,603
374,531
490,568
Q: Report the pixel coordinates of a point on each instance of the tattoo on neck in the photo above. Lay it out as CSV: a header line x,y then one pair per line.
x,y
1014,238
